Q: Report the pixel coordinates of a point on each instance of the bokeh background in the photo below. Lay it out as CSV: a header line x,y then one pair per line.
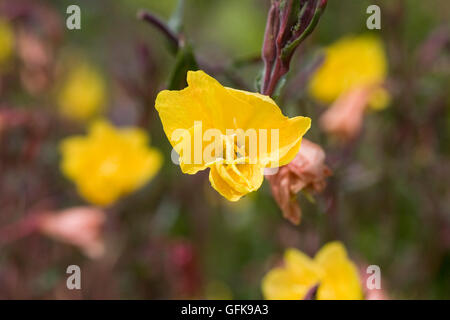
x,y
388,200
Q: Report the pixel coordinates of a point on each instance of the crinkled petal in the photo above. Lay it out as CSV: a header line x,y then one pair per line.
x,y
222,186
235,180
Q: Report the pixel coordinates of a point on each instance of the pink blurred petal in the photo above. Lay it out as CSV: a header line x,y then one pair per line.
x,y
345,117
79,226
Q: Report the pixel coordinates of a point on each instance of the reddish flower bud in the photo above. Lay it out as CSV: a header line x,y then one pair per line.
x,y
289,22
306,172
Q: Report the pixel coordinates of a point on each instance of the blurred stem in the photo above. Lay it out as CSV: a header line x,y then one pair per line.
x,y
269,46
161,26
185,58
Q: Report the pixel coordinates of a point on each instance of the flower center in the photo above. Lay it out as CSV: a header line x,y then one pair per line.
x,y
233,149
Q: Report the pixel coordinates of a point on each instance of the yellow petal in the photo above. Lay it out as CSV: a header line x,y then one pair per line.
x,y
341,278
305,270
379,99
235,180
349,62
205,100
201,104
190,148
290,155
292,281
6,41
206,105
83,94
71,148
109,162
279,284
197,102
221,186
263,113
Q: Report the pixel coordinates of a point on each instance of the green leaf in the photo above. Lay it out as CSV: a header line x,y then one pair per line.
x,y
184,62
258,81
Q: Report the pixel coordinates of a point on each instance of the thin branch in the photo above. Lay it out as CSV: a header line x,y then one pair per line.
x,y
160,25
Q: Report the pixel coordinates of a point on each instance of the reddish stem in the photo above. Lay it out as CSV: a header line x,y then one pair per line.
x,y
160,25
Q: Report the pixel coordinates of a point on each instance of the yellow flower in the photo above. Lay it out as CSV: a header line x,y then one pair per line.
x,y
109,162
206,106
331,269
83,93
352,62
6,41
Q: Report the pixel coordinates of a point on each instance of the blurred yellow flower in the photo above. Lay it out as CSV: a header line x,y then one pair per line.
x,y
351,63
6,41
205,105
331,269
83,93
109,162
